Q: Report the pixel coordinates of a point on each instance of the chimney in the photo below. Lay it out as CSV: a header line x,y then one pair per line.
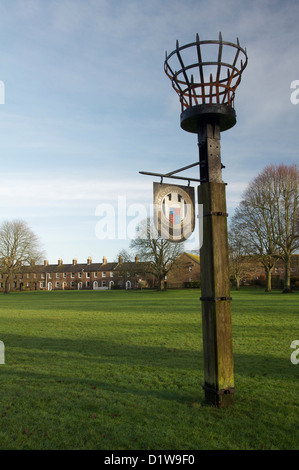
x,y
89,260
60,262
74,261
46,262
104,260
136,259
120,259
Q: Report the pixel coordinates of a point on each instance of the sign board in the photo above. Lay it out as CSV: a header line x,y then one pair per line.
x,y
174,211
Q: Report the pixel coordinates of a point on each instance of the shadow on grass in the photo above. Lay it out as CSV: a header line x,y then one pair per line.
x,y
71,384
97,351
91,357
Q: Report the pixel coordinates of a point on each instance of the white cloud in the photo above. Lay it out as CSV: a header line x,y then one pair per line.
x,y
88,104
69,192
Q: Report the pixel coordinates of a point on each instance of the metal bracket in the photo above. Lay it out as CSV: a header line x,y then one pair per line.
x,y
224,391
215,298
224,214
171,173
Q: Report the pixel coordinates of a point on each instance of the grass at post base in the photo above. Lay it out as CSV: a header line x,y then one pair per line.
x,y
120,370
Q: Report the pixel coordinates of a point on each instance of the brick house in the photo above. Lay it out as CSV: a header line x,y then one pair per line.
x,y
255,273
185,273
76,275
135,274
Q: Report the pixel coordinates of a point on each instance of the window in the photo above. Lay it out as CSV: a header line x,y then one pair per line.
x,y
43,276
111,274
95,274
57,284
57,275
72,284
34,275
64,275
190,269
103,274
87,274
50,275
72,275
87,284
80,275
103,283
42,285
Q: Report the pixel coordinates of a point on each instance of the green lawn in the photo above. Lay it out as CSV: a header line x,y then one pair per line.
x,y
120,370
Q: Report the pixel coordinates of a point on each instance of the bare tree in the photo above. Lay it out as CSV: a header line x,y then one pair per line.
x,y
282,183
130,269
267,218
125,256
237,254
254,223
18,246
162,254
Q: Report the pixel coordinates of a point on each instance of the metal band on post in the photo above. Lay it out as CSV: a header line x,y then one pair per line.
x,y
205,214
213,299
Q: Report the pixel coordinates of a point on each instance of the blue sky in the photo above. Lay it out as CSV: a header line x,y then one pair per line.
x,y
88,106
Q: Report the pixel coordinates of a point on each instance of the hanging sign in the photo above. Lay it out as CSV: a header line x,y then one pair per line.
x,y
174,211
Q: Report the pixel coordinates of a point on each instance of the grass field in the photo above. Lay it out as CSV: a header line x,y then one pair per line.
x,y
118,370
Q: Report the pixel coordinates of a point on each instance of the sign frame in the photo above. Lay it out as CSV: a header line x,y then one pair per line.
x,y
174,211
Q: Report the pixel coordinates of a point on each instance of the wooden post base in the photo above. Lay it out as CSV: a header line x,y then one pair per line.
x,y
215,288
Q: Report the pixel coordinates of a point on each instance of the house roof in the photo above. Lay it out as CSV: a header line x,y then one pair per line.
x,y
195,258
71,268
92,267
138,266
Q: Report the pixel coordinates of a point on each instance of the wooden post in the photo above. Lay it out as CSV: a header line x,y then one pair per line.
x,y
215,283
207,109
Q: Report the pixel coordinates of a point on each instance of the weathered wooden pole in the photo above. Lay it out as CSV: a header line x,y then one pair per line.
x,y
215,283
207,110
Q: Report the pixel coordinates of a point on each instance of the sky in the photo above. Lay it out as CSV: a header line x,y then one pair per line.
x,y
87,105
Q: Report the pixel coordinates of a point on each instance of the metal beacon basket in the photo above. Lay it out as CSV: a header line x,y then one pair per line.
x,y
206,87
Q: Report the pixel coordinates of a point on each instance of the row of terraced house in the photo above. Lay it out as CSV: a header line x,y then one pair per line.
x,y
127,275
76,275
89,275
